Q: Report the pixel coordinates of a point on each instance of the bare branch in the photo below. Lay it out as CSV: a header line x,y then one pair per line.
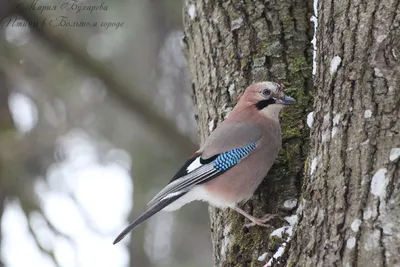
x,y
28,206
49,253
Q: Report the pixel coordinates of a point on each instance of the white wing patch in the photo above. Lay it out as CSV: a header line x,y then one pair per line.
x,y
194,165
172,194
197,193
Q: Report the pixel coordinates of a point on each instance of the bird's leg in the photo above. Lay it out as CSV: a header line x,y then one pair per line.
x,y
256,221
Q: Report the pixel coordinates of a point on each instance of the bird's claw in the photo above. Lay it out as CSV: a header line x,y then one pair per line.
x,y
251,224
262,221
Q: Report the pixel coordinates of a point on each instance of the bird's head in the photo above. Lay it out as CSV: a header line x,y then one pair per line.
x,y
267,97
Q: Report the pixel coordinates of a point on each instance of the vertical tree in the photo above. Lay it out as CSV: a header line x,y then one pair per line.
x,y
6,125
230,44
351,202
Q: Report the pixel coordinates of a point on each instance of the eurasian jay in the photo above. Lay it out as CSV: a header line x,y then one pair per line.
x,y
234,159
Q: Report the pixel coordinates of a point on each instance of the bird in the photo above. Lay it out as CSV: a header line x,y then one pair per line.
x,y
234,159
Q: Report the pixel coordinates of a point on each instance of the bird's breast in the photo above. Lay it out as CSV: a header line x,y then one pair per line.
x,y
239,183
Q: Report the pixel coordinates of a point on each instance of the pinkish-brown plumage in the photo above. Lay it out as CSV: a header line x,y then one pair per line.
x,y
245,124
239,183
246,144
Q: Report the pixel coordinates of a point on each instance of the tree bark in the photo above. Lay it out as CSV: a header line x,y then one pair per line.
x,y
350,212
230,44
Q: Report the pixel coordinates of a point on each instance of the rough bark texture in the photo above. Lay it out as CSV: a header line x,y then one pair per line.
x,y
350,213
230,44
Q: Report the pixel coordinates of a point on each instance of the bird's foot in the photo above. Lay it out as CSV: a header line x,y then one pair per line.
x,y
262,221
258,221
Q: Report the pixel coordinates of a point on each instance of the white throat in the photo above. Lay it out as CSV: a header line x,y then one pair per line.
x,y
272,111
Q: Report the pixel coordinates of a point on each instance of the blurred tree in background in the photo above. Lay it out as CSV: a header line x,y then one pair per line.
x,y
92,118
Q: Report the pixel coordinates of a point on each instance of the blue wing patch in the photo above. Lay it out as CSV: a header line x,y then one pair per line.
x,y
232,157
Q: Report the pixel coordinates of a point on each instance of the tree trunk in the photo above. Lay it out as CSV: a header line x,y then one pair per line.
x,y
350,212
230,44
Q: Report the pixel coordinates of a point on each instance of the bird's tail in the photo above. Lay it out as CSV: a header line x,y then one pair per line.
x,y
147,214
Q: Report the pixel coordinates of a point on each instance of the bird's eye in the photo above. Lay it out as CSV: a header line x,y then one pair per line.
x,y
266,92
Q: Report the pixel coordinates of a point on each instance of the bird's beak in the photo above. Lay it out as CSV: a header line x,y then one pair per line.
x,y
285,100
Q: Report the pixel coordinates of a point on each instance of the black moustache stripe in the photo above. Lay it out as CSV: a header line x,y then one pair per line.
x,y
264,103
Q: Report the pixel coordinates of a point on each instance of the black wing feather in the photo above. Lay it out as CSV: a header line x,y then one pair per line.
x,y
183,170
182,181
146,215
